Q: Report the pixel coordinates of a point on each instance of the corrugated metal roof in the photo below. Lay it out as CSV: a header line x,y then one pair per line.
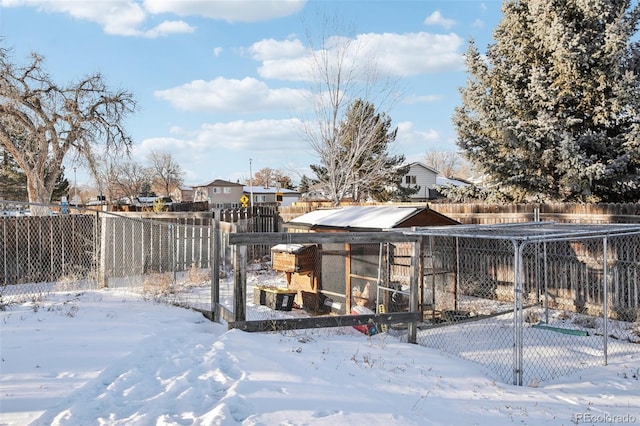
x,y
373,217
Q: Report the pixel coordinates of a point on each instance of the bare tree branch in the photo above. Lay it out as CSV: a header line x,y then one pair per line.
x,y
341,73
41,121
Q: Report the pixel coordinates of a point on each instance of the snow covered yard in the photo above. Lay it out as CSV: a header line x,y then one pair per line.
x,y
109,357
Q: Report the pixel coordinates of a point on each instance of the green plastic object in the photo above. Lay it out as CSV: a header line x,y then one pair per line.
x,y
561,330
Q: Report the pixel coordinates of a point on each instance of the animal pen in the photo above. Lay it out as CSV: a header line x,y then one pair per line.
x,y
529,301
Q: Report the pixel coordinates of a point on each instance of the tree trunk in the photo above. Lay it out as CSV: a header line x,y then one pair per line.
x,y
38,194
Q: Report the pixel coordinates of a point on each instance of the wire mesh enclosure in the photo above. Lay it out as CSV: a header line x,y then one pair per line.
x,y
529,301
532,301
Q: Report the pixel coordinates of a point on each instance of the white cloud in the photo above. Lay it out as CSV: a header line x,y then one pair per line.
x,y
396,54
238,135
224,95
252,136
169,27
217,51
228,10
128,17
118,17
413,53
272,141
269,49
409,138
436,18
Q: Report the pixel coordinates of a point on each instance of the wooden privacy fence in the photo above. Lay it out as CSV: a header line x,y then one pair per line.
x,y
480,213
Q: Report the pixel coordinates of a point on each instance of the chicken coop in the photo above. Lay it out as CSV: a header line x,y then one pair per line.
x,y
340,275
301,267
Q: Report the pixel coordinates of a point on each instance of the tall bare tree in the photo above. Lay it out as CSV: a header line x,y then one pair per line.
x,y
446,163
129,179
268,177
42,121
341,71
166,172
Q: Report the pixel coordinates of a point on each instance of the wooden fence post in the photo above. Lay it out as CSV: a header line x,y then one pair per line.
x,y
240,280
214,268
414,305
103,280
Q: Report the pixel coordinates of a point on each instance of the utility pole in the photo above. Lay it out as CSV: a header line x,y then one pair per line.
x,y
251,183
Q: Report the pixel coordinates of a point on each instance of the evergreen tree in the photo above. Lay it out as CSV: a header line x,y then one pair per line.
x,y
305,184
13,183
62,187
359,163
551,112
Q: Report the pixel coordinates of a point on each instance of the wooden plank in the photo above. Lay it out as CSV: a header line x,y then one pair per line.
x,y
324,322
240,280
320,237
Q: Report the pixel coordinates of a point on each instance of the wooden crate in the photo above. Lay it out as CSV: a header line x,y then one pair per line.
x,y
296,259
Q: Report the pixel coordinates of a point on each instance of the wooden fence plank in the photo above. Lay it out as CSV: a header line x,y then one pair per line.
x,y
325,321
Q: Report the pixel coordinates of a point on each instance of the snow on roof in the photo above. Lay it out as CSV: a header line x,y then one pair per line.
x,y
270,190
441,180
376,217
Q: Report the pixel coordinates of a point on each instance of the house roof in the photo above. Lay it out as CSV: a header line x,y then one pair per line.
x,y
270,190
424,166
441,180
365,217
218,182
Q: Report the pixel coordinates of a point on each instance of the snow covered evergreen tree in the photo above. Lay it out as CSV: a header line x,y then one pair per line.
x,y
552,111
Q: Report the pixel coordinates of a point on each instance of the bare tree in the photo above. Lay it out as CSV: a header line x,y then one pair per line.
x,y
166,172
449,164
42,121
128,179
446,163
341,73
268,177
263,177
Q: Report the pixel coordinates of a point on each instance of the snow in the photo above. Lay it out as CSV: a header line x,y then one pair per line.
x,y
112,357
375,217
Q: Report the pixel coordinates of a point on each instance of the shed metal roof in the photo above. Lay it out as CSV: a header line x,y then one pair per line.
x,y
372,217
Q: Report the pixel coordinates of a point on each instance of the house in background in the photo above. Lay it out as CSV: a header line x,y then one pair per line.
x,y
183,194
262,195
423,176
219,194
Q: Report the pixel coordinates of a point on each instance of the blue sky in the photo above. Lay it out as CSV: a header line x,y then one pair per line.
x,y
217,83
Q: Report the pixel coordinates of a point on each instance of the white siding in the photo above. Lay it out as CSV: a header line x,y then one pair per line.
x,y
425,179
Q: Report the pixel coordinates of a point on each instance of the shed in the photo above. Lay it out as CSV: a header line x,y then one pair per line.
x,y
342,272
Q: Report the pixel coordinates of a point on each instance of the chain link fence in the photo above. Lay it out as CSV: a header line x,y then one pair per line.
x,y
532,302
80,249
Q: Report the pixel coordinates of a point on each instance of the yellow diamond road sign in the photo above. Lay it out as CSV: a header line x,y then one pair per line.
x,y
244,200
